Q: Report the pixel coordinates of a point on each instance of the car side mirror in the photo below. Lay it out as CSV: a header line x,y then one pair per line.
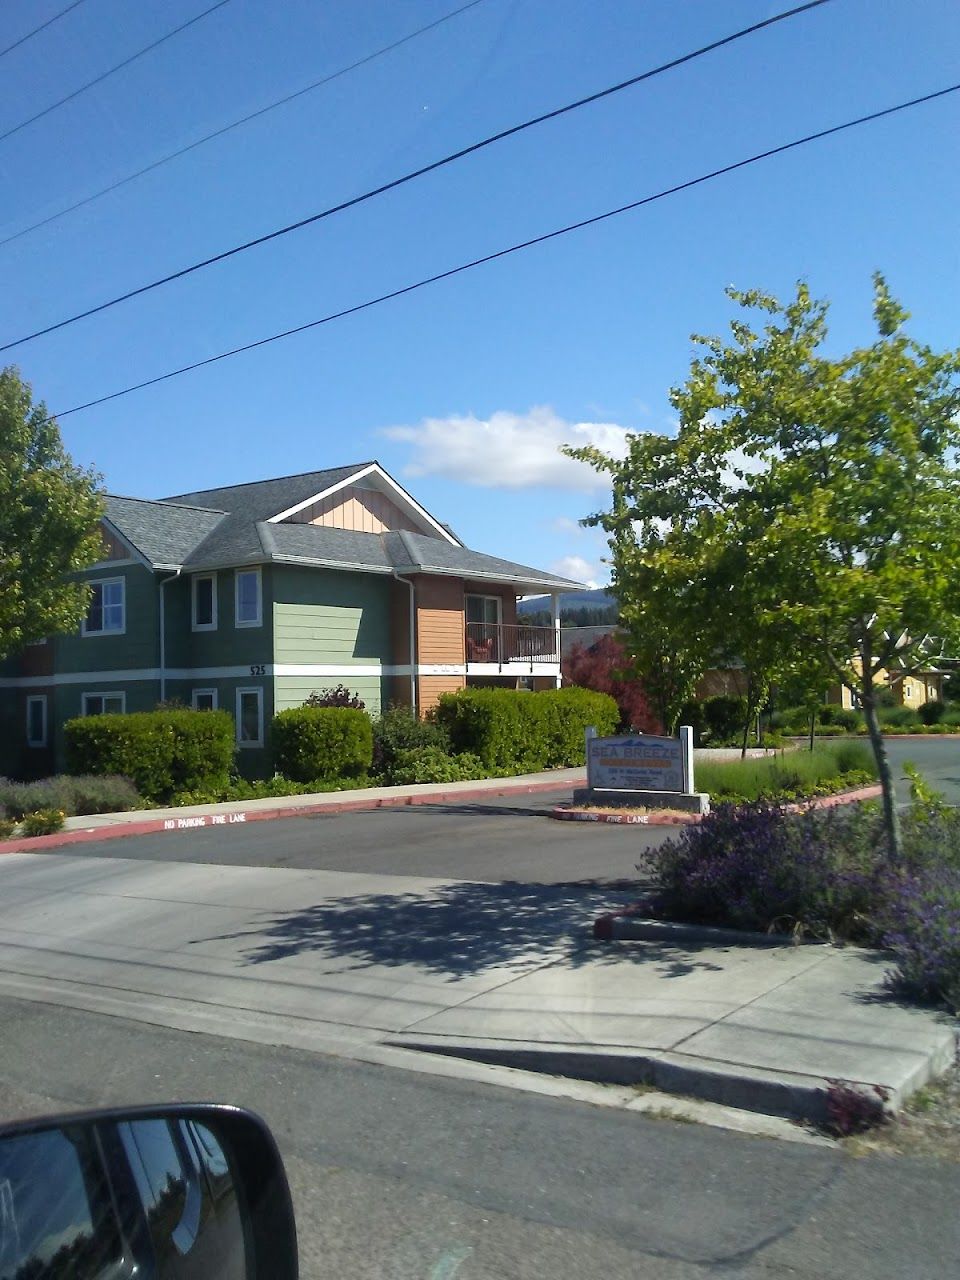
x,y
194,1192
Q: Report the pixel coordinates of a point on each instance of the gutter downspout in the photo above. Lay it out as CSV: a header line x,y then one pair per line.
x,y
163,634
413,642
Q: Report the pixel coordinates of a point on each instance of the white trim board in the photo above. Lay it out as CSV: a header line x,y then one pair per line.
x,y
269,670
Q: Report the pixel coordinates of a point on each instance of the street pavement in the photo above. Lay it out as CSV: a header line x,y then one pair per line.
x,y
419,1177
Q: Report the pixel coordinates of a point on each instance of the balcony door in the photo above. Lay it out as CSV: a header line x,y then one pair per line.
x,y
483,614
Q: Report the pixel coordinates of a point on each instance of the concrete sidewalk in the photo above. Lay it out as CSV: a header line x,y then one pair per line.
x,y
374,966
138,822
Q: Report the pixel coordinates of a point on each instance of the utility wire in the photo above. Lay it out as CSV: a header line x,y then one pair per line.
x,y
516,248
236,124
416,173
112,71
42,27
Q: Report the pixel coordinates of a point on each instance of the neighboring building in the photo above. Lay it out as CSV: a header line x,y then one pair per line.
x,y
250,597
908,690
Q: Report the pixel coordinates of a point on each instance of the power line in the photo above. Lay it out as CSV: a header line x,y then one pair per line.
x,y
112,71
42,27
516,248
416,173
236,124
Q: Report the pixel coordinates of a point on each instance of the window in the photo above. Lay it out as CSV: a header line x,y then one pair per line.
x,y
249,717
105,615
104,704
247,597
483,609
37,720
204,699
205,603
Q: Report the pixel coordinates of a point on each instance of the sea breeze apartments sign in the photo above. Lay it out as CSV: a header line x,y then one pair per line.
x,y
640,763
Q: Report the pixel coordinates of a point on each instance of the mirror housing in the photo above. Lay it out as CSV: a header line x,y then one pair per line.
x,y
185,1192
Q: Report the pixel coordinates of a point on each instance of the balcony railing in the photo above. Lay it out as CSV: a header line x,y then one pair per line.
x,y
503,643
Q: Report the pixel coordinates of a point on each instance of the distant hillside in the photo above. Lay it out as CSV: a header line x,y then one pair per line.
x,y
577,609
598,599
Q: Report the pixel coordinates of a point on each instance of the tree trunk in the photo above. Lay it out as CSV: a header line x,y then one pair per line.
x,y
813,729
891,816
747,718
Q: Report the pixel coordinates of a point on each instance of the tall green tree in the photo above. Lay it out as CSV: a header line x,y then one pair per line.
x,y
49,513
807,500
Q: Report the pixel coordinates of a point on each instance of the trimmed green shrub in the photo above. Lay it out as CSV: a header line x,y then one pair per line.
x,y
904,718
433,764
43,823
399,729
160,751
74,795
322,742
932,712
517,732
723,717
7,827
845,717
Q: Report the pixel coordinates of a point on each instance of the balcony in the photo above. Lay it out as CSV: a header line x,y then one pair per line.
x,y
494,647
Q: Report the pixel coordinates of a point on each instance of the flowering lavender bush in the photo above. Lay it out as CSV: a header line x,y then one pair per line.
x,y
826,874
759,867
923,932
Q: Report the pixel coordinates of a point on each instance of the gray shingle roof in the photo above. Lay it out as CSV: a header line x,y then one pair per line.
x,y
164,533
218,528
262,499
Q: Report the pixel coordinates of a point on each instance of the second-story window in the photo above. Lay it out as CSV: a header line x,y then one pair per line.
x,y
248,605
205,603
105,613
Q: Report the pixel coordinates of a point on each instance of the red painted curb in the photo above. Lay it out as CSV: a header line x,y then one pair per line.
x,y
624,819
156,826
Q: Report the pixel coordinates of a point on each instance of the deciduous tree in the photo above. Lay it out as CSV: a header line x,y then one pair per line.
x,y
49,513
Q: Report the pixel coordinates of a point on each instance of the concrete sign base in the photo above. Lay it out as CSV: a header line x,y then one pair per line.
x,y
698,802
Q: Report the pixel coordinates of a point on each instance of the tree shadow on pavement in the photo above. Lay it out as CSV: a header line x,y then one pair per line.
x,y
465,928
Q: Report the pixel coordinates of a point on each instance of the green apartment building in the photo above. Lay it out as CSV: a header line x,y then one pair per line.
x,y
252,596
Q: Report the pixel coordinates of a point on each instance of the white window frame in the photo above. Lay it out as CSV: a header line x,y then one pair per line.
x,y
114,631
239,717
106,693
42,740
477,595
194,624
258,622
197,693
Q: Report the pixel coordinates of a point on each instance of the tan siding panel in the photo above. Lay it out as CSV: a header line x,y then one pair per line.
x,y
440,631
431,687
358,509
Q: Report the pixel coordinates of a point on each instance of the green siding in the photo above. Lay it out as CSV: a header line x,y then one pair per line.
x,y
138,647
227,646
322,616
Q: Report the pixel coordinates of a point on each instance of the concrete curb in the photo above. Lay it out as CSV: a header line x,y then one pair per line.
x,y
623,819
631,924
206,817
792,1095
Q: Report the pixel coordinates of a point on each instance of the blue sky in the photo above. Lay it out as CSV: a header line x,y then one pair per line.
x,y
464,390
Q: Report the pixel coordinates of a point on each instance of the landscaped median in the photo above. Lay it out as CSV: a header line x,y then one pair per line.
x,y
837,769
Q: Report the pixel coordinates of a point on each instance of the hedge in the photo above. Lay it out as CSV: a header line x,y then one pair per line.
x,y
159,751
322,742
514,731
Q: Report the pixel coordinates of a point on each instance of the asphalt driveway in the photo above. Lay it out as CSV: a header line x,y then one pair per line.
x,y
505,838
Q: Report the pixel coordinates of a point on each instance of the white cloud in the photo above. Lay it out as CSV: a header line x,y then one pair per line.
x,y
564,524
579,569
508,450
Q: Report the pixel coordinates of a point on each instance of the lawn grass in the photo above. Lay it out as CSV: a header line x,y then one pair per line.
x,y
792,775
